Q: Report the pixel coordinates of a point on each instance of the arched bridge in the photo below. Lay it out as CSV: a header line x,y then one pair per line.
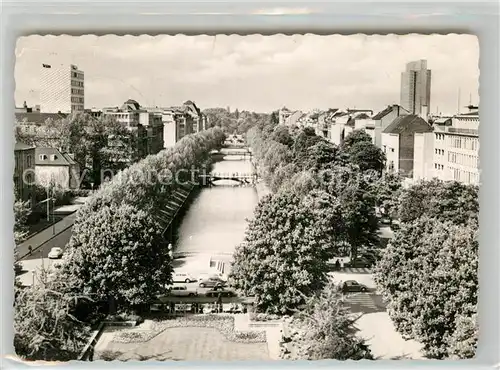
x,y
190,254
243,178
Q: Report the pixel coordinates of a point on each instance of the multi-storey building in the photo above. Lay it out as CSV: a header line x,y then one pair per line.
x,y
53,167
338,127
398,143
24,171
416,88
383,119
61,89
452,151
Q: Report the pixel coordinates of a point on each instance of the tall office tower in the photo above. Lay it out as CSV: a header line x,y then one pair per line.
x,y
416,88
62,89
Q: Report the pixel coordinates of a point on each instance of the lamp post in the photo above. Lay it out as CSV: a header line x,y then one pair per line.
x,y
48,204
33,277
41,253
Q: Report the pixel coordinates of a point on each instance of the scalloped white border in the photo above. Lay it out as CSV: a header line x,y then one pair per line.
x,y
343,18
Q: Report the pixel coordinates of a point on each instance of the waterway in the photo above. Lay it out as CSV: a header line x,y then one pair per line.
x,y
216,220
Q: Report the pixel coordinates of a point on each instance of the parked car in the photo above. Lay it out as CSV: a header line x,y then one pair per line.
x,y
207,275
370,256
359,262
212,282
183,277
55,253
351,286
223,293
181,291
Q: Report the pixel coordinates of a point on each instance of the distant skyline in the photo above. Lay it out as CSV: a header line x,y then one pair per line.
x,y
257,73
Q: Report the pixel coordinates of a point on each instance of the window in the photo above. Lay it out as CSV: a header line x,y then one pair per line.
x,y
53,157
42,157
28,160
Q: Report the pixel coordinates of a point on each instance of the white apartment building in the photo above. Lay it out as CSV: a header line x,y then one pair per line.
x,y
62,89
454,147
128,114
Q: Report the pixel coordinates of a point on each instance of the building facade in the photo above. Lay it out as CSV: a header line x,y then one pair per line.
x,y
62,89
454,147
24,171
398,143
53,167
145,123
383,119
416,88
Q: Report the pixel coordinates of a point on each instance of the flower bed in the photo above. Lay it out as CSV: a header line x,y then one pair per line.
x,y
224,324
264,317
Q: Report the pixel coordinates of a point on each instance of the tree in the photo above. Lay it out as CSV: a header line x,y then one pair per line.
x,y
302,141
282,135
45,327
323,155
21,212
356,136
275,118
324,329
355,194
286,249
387,192
429,275
463,342
446,201
366,156
131,263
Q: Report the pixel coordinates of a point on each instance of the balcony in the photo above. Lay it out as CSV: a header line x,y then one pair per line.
x,y
464,131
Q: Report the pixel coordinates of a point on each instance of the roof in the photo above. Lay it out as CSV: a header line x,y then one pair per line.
x,y
442,121
359,110
409,122
475,113
361,116
37,117
59,160
340,114
384,112
22,146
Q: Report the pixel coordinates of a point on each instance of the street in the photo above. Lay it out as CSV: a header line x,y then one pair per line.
x,y
54,236
32,269
374,323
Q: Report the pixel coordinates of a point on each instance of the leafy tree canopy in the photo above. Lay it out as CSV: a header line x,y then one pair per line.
x,y
445,201
429,273
45,327
131,263
366,156
324,329
356,136
286,249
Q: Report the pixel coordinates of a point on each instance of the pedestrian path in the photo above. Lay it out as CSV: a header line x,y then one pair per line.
x,y
273,333
356,270
365,302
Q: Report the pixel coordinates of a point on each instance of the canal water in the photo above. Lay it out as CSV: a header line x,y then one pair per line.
x,y
215,222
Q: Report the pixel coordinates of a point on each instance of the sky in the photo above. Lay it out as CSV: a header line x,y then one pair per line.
x,y
256,73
